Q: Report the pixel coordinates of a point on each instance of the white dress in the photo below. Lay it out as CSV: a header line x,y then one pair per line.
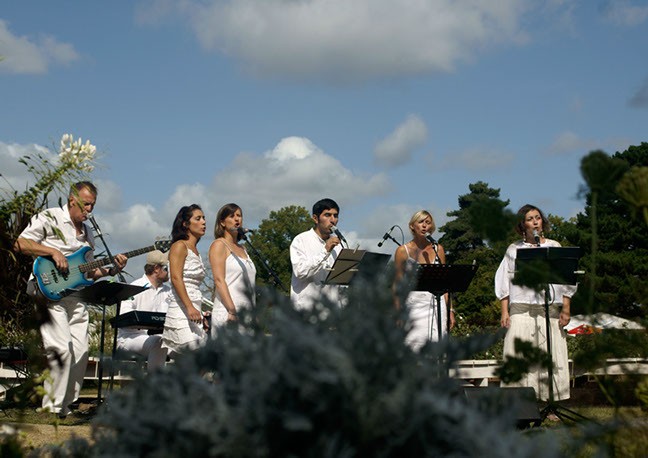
x,y
180,333
240,277
423,312
526,309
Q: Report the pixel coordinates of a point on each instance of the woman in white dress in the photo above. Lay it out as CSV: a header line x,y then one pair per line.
x,y
184,323
423,311
233,270
523,308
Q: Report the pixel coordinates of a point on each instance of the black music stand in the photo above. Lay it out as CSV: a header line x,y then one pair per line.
x,y
541,267
439,279
105,293
352,264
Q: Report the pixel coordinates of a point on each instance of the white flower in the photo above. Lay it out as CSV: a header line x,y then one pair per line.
x,y
74,153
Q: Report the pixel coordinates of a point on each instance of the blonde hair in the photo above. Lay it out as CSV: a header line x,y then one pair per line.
x,y
419,216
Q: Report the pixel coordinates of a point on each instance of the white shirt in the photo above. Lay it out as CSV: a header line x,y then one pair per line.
x,y
517,294
54,228
311,264
149,300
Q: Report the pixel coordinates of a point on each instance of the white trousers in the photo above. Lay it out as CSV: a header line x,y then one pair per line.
x,y
145,345
65,338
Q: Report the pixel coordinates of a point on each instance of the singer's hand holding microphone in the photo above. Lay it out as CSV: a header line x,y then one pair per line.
x,y
331,242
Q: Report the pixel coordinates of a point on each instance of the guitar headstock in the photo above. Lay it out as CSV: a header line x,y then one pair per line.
x,y
163,245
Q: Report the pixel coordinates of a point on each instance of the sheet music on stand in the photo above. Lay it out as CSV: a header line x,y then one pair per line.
x,y
353,264
539,266
107,292
442,278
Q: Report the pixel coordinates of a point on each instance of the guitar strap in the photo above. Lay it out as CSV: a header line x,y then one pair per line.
x,y
88,236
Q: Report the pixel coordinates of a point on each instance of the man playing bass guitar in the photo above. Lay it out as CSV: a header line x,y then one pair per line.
x,y
56,233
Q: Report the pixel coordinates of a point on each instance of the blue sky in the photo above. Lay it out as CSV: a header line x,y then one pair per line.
x,y
386,106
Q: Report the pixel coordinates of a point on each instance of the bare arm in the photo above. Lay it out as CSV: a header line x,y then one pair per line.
x,y
565,312
218,253
32,248
177,256
506,319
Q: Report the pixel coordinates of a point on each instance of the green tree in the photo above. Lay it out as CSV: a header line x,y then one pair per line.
x,y
272,241
481,216
612,234
461,235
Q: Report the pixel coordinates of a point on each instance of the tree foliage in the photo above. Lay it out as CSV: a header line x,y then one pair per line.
x,y
481,218
476,215
612,233
272,241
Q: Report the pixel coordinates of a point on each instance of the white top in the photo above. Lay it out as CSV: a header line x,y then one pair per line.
x,y
54,228
149,300
240,277
504,286
180,333
310,266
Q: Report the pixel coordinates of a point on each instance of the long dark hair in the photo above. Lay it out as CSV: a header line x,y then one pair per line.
x,y
225,211
521,214
179,229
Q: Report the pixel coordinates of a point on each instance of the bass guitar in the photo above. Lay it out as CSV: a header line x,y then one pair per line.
x,y
55,285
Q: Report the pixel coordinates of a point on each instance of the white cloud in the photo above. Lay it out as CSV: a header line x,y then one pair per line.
x,y
397,147
14,174
24,55
476,158
342,40
625,12
110,195
295,172
569,142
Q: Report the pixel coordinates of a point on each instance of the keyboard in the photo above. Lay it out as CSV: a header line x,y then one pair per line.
x,y
139,319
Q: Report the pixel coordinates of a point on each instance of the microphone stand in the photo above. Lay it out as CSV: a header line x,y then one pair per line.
x,y
102,337
437,297
388,236
273,274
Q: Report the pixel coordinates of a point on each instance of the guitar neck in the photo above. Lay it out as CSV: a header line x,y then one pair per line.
x,y
89,266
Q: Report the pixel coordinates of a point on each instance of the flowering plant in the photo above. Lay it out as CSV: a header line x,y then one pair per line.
x,y
50,172
74,154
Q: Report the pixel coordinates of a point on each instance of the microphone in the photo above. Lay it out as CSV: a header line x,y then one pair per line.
x,y
241,231
338,233
536,237
430,239
90,217
386,236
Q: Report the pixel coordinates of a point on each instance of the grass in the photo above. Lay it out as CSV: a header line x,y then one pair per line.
x,y
631,439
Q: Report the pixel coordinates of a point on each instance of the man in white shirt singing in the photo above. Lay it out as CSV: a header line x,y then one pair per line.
x,y
153,299
312,253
